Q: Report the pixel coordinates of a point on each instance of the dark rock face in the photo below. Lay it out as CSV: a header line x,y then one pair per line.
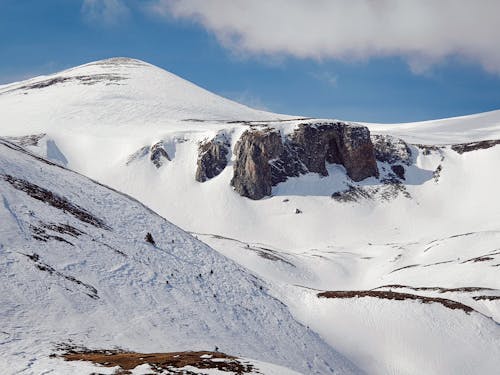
x,y
252,171
287,164
263,159
399,171
158,154
212,157
391,150
336,143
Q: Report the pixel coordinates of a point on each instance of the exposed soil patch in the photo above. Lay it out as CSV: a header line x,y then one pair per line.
x,y
473,146
159,362
54,200
465,289
396,296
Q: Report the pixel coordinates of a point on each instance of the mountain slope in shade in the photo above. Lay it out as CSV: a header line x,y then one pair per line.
x,y
76,268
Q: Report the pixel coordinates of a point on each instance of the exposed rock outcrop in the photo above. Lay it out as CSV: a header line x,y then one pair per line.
x,y
399,171
391,150
473,146
212,157
252,171
336,143
263,159
158,154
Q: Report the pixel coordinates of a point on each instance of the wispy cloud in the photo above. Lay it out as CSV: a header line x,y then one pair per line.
x,y
105,12
326,77
423,32
247,98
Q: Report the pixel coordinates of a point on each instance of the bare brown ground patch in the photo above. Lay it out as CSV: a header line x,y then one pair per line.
x,y
389,295
160,362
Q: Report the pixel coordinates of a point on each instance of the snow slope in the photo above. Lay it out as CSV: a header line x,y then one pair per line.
x,y
436,237
462,129
75,268
121,92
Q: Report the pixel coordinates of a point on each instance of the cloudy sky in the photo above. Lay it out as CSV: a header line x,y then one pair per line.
x,y
363,60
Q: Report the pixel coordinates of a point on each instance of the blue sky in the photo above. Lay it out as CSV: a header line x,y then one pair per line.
x,y
369,78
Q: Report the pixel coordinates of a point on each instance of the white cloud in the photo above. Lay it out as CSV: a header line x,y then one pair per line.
x,y
423,32
105,12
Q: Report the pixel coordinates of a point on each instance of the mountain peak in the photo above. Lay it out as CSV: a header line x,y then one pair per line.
x,y
118,90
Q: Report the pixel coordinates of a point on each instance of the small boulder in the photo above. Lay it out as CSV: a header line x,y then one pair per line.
x,y
399,171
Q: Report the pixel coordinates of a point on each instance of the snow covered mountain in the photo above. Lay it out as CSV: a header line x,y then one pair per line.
x,y
381,238
77,269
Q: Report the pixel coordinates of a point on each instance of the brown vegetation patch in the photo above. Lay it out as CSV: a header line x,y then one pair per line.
x,y
395,296
159,362
464,289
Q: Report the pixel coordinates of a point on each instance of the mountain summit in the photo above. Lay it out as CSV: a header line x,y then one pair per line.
x,y
118,91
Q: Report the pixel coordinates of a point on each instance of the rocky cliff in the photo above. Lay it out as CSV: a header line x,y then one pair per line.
x,y
252,171
264,158
212,157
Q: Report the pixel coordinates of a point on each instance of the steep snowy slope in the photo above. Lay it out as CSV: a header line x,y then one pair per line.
x,y
75,268
432,233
